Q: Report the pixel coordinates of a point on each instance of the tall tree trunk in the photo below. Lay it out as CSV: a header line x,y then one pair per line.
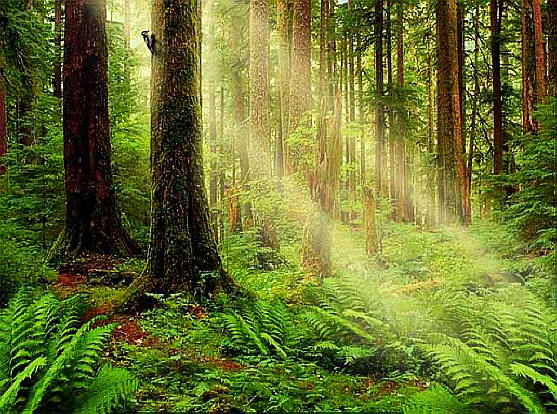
x,y
448,112
324,57
211,78
3,120
529,124
182,252
552,46
460,156
369,216
283,85
541,81
400,159
494,12
259,79
25,104
300,79
92,221
393,185
127,22
361,109
380,159
352,119
58,48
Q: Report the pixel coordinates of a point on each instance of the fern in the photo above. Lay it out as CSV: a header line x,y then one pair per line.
x,y
261,328
501,351
47,358
437,399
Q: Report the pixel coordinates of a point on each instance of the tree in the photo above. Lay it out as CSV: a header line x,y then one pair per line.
x,y
449,133
380,159
552,47
300,79
93,223
283,71
259,75
495,11
58,45
3,111
182,252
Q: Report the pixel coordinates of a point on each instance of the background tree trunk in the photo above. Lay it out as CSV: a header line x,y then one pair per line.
x,y
92,221
552,46
529,125
259,78
127,22
494,12
380,159
58,48
283,85
300,80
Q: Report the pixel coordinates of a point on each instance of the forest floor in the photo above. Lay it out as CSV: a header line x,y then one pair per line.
x,y
279,348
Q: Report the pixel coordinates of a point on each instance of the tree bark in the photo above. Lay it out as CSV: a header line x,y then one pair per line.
x,y
448,112
127,23
182,252
380,159
361,110
400,159
529,124
494,12
3,122
283,86
300,79
93,223
259,78
541,81
369,215
58,49
552,46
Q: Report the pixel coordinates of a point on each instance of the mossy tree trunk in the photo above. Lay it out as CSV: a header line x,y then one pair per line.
x,y
182,253
93,223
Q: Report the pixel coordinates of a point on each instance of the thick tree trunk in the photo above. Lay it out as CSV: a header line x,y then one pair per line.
x,y
182,252
552,47
57,81
494,12
380,158
448,103
259,79
92,221
300,79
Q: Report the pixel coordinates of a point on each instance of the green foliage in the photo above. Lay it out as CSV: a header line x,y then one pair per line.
x,y
500,351
49,360
436,399
260,328
531,207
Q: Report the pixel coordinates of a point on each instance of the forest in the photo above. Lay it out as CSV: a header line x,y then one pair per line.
x,y
228,206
